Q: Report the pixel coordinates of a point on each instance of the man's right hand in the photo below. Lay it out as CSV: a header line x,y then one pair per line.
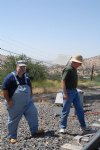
x,y
65,97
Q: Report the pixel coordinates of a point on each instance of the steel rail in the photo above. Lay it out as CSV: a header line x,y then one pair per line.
x,y
94,144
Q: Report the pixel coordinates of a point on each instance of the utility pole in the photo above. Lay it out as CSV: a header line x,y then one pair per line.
x,y
92,71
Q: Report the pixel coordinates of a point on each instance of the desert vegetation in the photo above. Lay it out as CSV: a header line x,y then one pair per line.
x,y
48,79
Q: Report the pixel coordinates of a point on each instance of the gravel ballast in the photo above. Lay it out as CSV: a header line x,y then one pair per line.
x,y
49,119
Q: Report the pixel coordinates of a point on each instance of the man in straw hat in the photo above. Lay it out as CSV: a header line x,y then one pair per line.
x,y
17,91
70,94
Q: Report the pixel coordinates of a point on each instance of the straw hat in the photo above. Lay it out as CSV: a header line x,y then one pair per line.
x,y
77,58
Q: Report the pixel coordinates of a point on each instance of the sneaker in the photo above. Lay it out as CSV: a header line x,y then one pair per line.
x,y
62,131
86,129
38,133
13,141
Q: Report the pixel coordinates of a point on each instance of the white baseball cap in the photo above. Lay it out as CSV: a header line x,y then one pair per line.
x,y
21,63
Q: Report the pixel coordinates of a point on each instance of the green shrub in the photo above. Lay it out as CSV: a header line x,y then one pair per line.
x,y
36,71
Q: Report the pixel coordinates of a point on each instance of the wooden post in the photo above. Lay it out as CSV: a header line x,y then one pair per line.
x,y
92,72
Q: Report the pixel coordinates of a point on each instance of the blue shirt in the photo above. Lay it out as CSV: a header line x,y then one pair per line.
x,y
10,84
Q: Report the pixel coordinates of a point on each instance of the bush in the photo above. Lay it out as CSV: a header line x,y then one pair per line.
x,y
54,76
36,71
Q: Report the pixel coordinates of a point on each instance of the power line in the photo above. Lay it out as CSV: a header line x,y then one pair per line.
x,y
40,61
22,45
9,51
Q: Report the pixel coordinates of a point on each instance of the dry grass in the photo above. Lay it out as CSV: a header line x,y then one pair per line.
x,y
47,86
44,90
1,94
50,86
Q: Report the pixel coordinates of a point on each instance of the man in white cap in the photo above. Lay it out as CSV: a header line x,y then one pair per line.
x,y
17,91
70,94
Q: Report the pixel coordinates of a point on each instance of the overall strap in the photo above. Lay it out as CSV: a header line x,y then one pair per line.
x,y
16,78
25,78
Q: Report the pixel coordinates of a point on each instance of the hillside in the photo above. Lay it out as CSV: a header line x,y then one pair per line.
x,y
2,58
84,70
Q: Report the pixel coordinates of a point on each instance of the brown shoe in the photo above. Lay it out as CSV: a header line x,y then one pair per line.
x,y
13,141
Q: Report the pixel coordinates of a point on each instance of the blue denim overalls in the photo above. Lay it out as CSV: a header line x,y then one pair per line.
x,y
23,105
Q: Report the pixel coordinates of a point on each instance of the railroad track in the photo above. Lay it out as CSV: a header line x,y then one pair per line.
x,y
91,141
94,143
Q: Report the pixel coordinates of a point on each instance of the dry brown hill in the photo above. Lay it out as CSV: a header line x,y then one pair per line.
x,y
2,58
89,64
84,70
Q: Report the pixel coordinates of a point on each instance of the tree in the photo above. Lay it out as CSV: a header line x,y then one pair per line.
x,y
36,71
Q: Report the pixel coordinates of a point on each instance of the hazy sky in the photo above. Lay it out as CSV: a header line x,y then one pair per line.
x,y
44,29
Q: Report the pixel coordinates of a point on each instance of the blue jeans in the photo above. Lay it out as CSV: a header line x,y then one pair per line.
x,y
73,97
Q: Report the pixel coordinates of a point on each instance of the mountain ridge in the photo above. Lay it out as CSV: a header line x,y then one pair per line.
x,y
84,70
